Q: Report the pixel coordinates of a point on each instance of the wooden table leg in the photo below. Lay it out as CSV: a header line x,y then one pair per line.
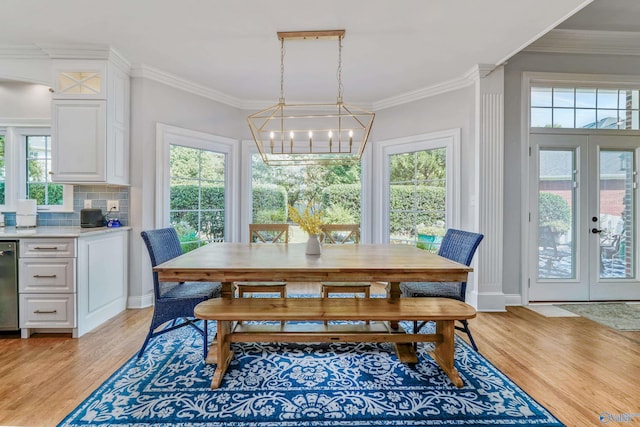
x,y
444,352
224,352
227,290
405,351
394,294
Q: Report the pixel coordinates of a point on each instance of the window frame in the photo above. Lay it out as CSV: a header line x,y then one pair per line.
x,y
450,141
16,169
166,136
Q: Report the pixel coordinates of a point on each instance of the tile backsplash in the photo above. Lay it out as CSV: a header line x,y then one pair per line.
x,y
98,194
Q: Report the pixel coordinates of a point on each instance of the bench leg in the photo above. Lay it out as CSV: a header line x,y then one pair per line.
x,y
443,354
224,352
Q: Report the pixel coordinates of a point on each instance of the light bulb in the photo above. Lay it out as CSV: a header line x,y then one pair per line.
x,y
271,135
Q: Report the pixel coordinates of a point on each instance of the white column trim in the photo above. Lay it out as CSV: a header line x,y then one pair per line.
x,y
489,144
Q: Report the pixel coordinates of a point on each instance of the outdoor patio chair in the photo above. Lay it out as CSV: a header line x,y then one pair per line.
x,y
174,302
458,246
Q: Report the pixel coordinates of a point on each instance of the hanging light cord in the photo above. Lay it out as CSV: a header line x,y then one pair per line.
x,y
282,70
340,69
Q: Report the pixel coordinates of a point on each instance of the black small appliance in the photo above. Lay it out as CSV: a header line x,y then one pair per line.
x,y
91,218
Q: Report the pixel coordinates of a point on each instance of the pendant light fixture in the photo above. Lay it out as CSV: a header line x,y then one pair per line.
x,y
308,134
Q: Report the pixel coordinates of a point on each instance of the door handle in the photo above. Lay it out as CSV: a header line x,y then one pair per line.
x,y
596,231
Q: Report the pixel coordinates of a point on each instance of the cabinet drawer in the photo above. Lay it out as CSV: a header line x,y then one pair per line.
x,y
48,248
47,275
47,310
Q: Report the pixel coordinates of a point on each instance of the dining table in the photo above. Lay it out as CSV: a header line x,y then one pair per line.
x,y
254,262
228,262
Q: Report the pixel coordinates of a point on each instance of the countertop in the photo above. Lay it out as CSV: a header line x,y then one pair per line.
x,y
7,233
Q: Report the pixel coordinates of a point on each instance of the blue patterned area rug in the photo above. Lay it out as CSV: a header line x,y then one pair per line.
x,y
333,384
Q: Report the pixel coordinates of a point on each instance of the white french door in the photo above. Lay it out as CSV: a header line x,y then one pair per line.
x,y
583,219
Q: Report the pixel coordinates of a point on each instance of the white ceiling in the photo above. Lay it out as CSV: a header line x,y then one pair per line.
x,y
391,48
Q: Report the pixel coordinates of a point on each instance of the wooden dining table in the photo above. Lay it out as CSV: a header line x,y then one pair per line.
x,y
250,262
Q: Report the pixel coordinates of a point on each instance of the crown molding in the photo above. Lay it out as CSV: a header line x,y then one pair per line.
x,y
476,73
29,51
75,51
588,42
151,73
426,92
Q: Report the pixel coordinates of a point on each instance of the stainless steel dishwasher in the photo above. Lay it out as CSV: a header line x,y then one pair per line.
x,y
8,286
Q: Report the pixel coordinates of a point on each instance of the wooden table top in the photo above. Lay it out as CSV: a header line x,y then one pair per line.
x,y
227,262
247,309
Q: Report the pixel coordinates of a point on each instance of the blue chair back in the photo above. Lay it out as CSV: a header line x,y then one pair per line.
x,y
459,245
163,245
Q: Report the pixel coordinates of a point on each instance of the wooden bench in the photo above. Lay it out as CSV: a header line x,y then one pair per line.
x,y
380,311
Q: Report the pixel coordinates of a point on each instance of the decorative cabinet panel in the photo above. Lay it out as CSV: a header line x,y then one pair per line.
x,y
90,123
78,148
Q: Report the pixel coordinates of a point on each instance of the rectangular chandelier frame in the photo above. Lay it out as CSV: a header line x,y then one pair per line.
x,y
307,134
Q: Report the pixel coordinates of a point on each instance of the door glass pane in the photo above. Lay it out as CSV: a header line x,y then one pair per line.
x,y
197,195
616,177
556,213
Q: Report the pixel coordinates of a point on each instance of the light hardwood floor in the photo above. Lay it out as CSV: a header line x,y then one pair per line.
x,y
573,366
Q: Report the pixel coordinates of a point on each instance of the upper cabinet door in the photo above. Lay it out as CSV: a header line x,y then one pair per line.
x,y
90,123
78,152
80,80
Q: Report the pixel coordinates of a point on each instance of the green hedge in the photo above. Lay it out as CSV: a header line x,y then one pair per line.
x,y
345,197
269,204
429,206
36,191
554,211
210,200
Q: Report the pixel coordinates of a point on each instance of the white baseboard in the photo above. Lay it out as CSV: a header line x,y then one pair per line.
x,y
491,301
140,301
513,299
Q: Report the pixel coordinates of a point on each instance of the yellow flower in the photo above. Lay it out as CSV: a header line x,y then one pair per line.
x,y
309,221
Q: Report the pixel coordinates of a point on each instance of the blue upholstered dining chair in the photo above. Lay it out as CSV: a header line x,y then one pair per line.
x,y
458,246
174,302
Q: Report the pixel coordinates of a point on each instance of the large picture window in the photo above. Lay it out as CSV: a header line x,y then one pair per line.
x,y
421,188
194,186
417,202
334,190
196,194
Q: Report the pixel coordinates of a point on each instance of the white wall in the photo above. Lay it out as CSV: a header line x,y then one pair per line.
x,y
23,103
513,172
441,112
151,103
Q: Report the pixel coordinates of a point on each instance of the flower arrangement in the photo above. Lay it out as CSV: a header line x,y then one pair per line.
x,y
309,221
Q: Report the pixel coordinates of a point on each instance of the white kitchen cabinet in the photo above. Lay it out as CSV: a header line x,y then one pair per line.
x,y
90,123
72,284
102,278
